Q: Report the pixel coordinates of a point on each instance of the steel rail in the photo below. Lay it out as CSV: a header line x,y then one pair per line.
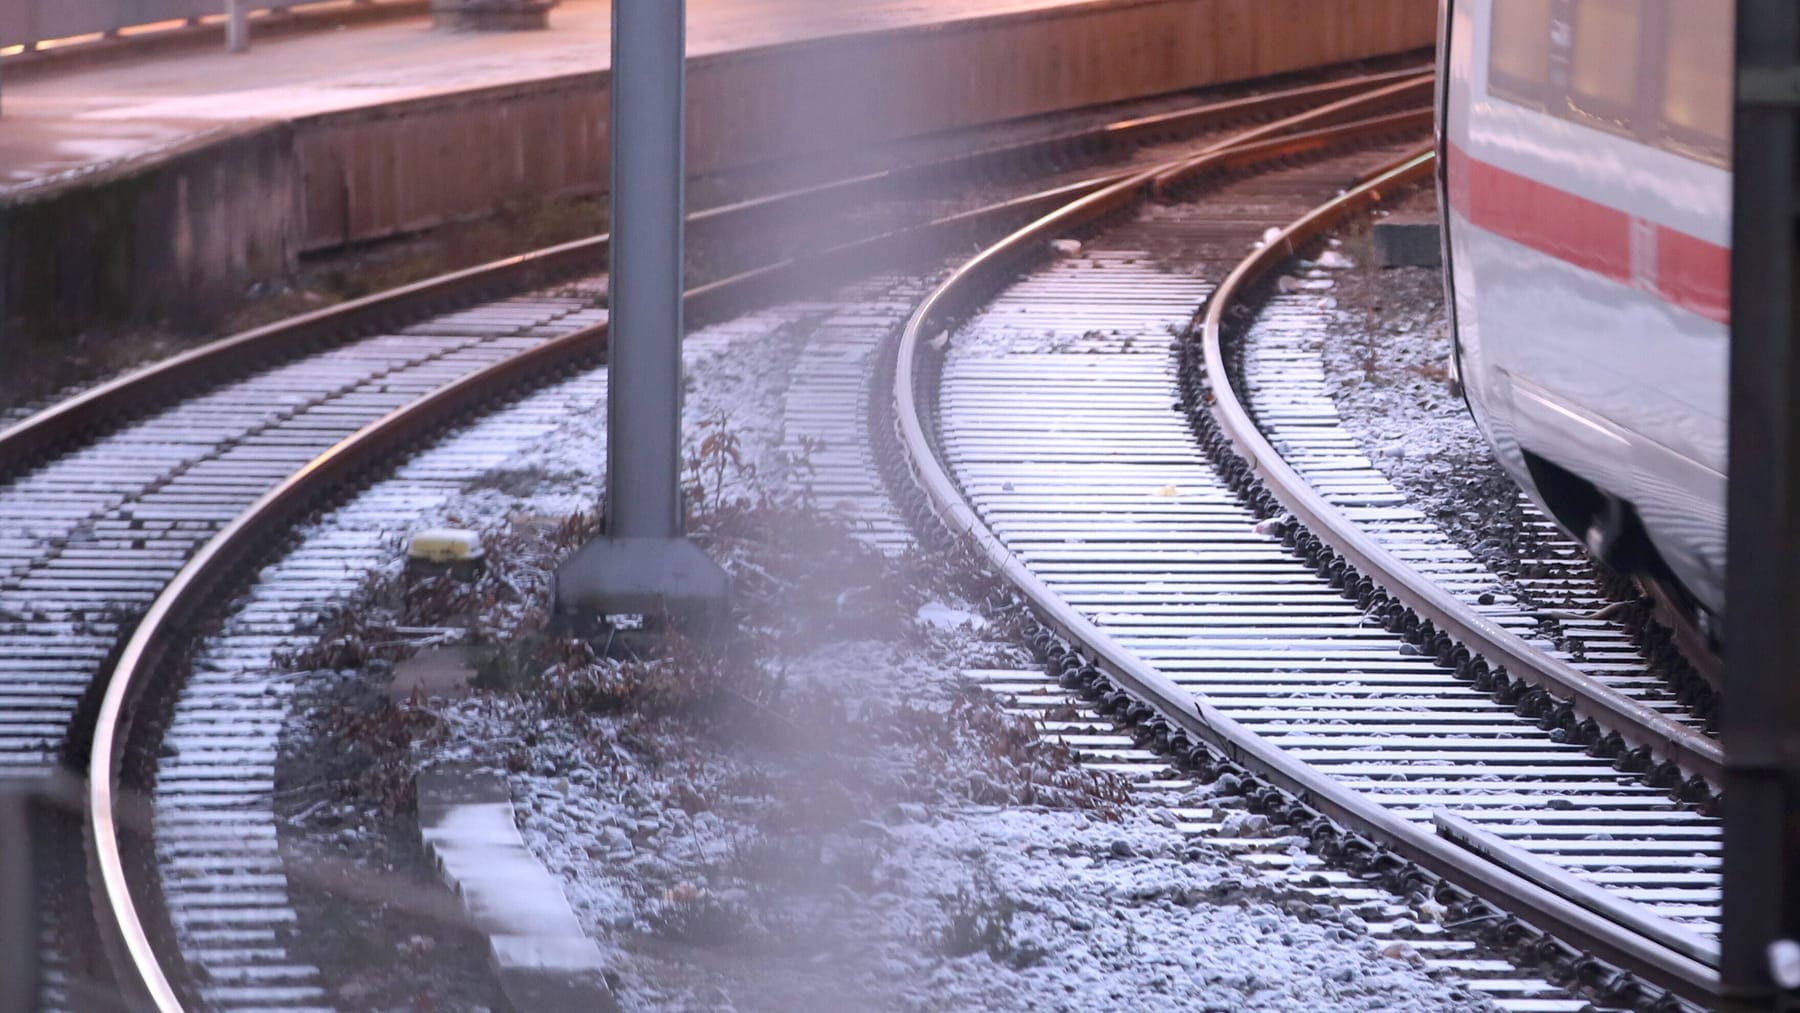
x,y
1635,722
110,402
1404,92
160,634
170,619
919,353
1596,899
1129,133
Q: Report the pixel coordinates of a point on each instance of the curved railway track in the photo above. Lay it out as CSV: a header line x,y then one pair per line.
x,y
1634,854
184,600
1353,686
137,511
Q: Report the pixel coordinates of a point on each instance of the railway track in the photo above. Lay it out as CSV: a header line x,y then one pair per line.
x,y
1132,531
1552,596
173,531
128,515
227,723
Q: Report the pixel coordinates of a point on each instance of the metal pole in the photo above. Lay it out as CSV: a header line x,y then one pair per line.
x,y
644,361
237,25
18,902
644,565
1760,955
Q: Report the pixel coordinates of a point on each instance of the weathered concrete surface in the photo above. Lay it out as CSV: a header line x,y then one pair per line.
x,y
397,128
166,238
163,38
376,172
337,72
491,15
543,959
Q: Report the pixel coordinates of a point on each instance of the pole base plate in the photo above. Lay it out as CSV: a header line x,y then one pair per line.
x,y
642,576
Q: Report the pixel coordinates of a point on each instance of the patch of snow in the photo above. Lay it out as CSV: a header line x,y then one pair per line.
x,y
1274,526
944,617
1057,909
930,903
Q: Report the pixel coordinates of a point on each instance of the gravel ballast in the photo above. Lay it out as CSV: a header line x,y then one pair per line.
x,y
859,830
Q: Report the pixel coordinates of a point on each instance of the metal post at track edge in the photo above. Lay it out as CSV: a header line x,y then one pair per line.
x,y
643,563
19,899
237,25
1760,940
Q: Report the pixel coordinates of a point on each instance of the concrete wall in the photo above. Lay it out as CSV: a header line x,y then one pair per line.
x,y
377,172
374,173
170,236
169,239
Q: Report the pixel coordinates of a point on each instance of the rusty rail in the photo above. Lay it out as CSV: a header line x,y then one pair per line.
x,y
145,665
1564,918
115,401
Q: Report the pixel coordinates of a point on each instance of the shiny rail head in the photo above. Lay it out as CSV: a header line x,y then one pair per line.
x,y
945,500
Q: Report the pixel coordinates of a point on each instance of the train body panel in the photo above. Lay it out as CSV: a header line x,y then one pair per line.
x,y
1588,263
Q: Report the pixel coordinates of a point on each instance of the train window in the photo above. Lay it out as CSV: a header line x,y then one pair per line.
x,y
1604,79
1696,101
1519,53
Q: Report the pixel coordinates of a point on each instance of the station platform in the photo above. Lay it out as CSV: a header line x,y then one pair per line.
x,y
161,187
67,124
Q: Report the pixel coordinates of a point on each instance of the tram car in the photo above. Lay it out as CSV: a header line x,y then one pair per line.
x,y
1585,187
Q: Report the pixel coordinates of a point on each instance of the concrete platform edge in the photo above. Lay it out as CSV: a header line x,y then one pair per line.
x,y
539,954
135,243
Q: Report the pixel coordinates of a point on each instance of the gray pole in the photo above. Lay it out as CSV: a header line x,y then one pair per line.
x,y
237,25
644,564
19,902
645,282
1760,938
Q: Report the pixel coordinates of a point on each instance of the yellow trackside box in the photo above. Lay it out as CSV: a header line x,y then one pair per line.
x,y
445,545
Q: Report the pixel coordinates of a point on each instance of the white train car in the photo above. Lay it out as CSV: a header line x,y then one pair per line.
x,y
1586,192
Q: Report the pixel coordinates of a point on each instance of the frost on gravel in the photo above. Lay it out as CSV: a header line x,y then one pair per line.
x,y
757,876
1388,362
967,908
857,828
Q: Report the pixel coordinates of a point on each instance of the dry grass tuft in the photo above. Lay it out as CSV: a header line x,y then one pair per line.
x,y
834,754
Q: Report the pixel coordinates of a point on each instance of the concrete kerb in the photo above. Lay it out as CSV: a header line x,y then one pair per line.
x,y
541,957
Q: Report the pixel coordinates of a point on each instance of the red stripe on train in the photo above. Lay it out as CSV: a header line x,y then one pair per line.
x,y
1686,271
